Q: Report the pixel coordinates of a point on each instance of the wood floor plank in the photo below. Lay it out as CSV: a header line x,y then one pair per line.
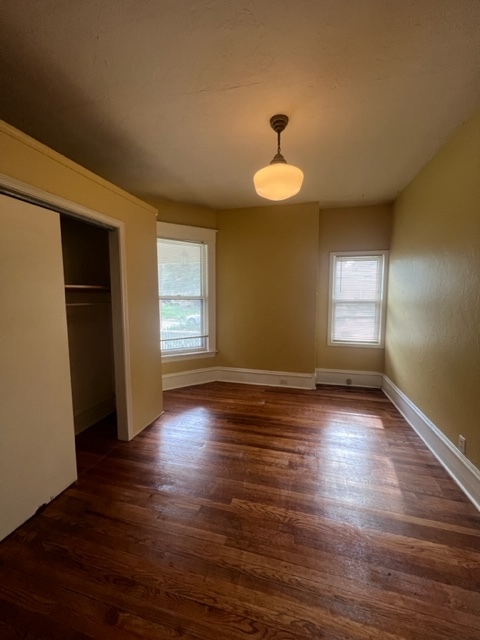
x,y
250,513
219,562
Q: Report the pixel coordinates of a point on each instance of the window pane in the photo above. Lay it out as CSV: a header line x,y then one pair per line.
x,y
181,325
356,322
179,268
358,278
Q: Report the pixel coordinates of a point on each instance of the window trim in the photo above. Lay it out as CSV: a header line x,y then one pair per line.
x,y
383,301
185,233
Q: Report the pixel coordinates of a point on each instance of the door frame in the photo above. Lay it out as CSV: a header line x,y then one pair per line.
x,y
121,339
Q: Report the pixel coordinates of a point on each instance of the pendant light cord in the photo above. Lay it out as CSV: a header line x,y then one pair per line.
x,y
278,141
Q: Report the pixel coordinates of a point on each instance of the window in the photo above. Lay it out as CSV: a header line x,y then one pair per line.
x,y
357,299
186,290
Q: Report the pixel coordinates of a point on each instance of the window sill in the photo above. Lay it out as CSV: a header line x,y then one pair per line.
x,y
173,357
361,345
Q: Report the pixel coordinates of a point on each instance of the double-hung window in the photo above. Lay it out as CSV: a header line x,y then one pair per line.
x,y
357,298
186,290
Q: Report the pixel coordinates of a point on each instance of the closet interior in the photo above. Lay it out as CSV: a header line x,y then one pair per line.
x,y
86,264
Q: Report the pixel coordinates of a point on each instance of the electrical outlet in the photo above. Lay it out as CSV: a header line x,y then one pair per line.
x,y
462,444
283,381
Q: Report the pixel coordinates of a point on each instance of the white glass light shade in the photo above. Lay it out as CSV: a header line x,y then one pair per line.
x,y
278,181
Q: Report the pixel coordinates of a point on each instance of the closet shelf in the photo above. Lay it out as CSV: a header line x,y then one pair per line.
x,y
86,287
85,304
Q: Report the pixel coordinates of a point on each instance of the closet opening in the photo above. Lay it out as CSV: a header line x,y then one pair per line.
x,y
91,262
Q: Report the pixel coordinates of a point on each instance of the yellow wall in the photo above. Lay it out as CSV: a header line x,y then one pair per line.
x,y
433,330
183,213
348,229
266,287
268,253
26,160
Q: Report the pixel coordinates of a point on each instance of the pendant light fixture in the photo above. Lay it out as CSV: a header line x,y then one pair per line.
x,y
279,180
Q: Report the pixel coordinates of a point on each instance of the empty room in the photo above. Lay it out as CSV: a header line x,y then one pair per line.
x,y
240,320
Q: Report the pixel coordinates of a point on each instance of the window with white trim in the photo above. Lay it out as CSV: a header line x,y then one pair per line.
x,y
357,298
186,290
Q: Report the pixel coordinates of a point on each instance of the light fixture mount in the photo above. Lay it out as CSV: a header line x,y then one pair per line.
x,y
278,124
278,180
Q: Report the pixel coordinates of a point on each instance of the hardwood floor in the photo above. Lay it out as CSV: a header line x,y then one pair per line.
x,y
251,513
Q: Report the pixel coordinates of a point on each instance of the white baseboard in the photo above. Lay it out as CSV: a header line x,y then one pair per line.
x,y
268,378
243,376
189,378
341,377
465,474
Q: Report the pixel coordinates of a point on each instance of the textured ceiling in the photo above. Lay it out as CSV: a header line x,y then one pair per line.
x,y
172,98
